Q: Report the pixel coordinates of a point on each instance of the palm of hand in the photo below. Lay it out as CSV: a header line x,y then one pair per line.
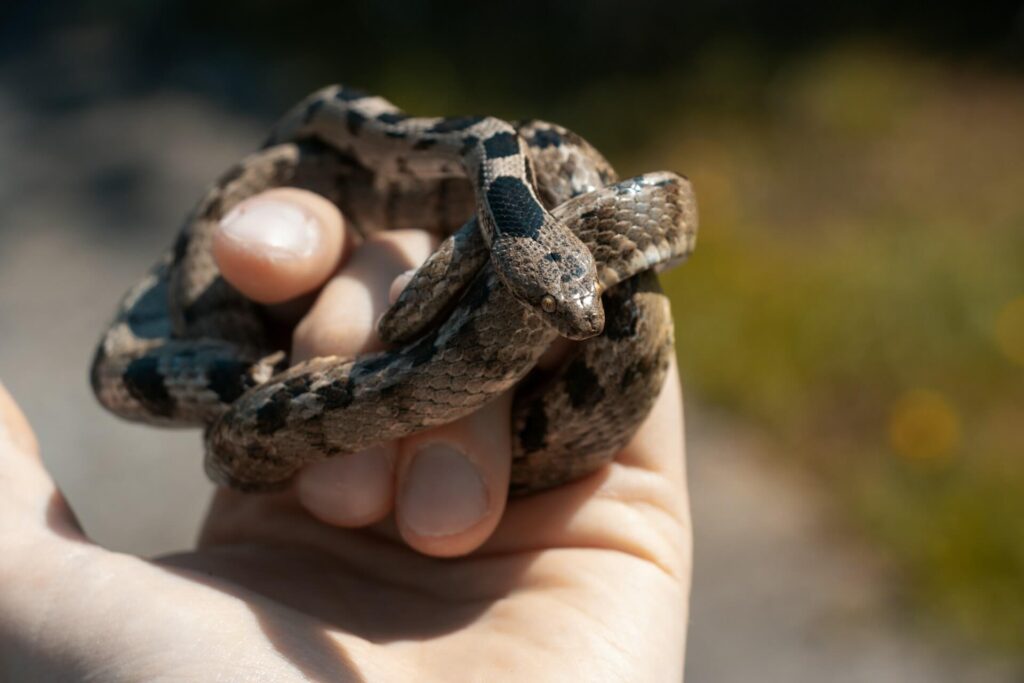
x,y
588,581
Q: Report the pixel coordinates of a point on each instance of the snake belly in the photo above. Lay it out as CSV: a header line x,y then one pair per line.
x,y
187,349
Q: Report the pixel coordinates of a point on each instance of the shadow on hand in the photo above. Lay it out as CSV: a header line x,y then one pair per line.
x,y
307,582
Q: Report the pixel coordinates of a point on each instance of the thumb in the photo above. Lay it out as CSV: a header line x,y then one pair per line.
x,y
452,481
30,502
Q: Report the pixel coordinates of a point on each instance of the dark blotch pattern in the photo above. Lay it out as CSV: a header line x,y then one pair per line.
x,y
516,213
533,435
337,394
501,145
297,386
228,379
423,350
546,138
578,270
147,319
642,368
455,123
469,143
144,382
477,294
273,415
216,299
350,94
582,385
212,211
572,138
311,111
354,121
392,117
180,247
282,170
372,364
424,144
553,256
621,313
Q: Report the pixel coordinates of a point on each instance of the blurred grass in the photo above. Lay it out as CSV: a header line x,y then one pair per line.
x,y
856,290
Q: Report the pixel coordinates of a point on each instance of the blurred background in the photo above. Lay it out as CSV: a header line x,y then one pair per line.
x,y
850,329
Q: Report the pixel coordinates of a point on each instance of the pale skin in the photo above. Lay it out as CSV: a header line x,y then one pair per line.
x,y
341,577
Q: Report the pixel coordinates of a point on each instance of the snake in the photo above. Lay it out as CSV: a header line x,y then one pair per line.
x,y
541,240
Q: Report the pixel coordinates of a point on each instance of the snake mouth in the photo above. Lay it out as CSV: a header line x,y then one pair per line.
x,y
593,326
588,319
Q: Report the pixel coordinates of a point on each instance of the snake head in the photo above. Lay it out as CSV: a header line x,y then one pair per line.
x,y
557,278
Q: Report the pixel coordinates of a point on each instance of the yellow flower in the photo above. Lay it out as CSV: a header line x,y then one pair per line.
x,y
923,425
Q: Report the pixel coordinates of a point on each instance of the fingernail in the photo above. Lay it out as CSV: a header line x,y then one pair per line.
x,y
280,228
443,492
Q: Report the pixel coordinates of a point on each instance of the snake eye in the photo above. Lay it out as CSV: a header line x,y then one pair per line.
x,y
548,303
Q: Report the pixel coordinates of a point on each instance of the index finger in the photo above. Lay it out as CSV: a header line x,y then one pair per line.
x,y
281,244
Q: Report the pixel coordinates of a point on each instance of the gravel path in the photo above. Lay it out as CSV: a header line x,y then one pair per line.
x,y
779,596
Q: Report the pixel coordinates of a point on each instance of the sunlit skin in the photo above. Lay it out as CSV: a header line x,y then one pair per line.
x,y
339,578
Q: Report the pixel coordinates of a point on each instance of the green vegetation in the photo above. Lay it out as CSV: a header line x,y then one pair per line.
x,y
856,291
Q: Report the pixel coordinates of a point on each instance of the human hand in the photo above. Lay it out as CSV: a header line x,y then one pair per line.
x,y
589,581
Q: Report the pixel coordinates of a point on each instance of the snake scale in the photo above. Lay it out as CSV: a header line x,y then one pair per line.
x,y
542,241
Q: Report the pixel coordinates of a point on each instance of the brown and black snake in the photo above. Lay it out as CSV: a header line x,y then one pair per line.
x,y
542,241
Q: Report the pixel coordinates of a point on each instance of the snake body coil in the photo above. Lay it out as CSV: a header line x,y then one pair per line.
x,y
552,246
